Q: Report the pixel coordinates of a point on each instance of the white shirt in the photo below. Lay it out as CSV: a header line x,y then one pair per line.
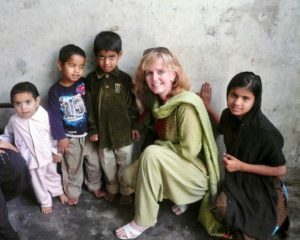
x,y
32,137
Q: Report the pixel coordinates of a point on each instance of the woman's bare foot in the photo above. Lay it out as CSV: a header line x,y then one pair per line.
x,y
46,210
179,209
130,231
72,201
63,198
99,193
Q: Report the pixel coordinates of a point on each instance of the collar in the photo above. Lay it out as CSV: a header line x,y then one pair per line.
x,y
115,73
38,115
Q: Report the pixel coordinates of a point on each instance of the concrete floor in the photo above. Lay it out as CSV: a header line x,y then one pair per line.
x,y
97,219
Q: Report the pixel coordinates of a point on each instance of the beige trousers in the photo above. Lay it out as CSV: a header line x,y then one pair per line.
x,y
113,162
81,164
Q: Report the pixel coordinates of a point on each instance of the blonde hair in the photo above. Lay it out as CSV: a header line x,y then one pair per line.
x,y
170,61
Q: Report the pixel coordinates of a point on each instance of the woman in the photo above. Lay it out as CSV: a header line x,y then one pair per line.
x,y
14,179
251,203
182,164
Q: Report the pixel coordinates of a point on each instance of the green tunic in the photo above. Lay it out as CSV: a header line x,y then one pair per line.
x,y
111,107
182,166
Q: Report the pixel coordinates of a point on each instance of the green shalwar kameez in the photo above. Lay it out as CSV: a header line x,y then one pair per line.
x,y
182,166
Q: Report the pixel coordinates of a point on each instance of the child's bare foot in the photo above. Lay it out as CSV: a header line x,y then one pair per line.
x,y
99,193
63,198
125,200
46,210
109,196
72,201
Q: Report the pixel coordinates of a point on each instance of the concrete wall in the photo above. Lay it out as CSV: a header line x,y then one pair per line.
x,y
213,39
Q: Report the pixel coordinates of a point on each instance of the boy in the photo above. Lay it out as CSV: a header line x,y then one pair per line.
x,y
112,112
29,130
68,120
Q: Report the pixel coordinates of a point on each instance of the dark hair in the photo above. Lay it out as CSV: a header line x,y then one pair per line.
x,y
247,80
24,87
108,41
68,51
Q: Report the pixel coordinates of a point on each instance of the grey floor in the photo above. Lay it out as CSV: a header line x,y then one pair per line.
x,y
97,219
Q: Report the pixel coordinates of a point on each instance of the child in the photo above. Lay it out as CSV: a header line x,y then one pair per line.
x,y
251,203
29,130
68,120
112,112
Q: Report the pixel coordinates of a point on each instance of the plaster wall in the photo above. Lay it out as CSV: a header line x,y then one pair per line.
x,y
213,39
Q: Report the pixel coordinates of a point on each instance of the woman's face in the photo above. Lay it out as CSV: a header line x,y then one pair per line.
x,y
240,101
159,79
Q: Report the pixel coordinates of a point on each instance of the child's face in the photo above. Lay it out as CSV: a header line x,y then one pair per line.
x,y
25,105
108,60
240,101
72,70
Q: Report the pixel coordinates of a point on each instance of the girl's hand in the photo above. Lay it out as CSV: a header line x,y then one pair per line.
x,y
206,93
231,163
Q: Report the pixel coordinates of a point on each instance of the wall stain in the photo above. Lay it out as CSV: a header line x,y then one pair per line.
x,y
211,31
28,4
115,28
21,67
265,13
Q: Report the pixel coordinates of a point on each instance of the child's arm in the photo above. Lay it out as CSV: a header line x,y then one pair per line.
x,y
233,164
56,122
91,109
206,94
63,145
133,111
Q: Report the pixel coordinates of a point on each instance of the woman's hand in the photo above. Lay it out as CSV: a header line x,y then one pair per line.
x,y
7,145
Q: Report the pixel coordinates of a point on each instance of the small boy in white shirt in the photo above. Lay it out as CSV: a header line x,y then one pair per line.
x,y
29,130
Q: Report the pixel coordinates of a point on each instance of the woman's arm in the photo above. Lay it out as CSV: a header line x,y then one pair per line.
x,y
206,94
7,145
190,132
232,164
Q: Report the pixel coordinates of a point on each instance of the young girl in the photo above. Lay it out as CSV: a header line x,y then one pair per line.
x,y
29,130
251,203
